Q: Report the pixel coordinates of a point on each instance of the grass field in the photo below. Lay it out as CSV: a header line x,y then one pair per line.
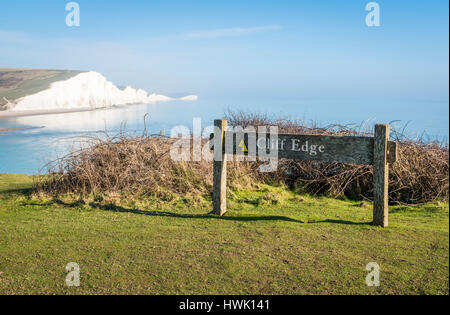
x,y
272,241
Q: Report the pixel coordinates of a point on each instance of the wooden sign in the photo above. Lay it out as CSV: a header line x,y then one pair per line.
x,y
377,151
352,150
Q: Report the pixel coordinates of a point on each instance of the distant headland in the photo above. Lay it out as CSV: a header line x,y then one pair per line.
x,y
30,90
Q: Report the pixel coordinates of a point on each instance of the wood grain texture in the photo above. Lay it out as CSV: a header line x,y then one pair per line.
x,y
381,176
220,169
392,152
353,150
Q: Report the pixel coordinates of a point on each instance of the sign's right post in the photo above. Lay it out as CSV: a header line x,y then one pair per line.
x,y
381,176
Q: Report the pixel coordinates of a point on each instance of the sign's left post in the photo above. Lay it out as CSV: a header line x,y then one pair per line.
x,y
220,168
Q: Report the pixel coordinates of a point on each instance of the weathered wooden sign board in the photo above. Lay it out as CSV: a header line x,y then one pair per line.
x,y
377,151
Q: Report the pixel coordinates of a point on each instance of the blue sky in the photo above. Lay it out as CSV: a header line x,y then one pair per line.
x,y
241,49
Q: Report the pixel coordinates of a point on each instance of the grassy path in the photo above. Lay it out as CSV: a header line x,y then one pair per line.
x,y
271,242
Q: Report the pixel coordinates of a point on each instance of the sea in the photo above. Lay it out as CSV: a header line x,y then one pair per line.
x,y
45,138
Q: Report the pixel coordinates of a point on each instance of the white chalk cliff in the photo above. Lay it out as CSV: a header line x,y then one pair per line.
x,y
86,90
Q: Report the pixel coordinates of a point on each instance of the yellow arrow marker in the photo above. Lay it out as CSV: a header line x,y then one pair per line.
x,y
243,146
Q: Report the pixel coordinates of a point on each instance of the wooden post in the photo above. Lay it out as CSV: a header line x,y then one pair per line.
x,y
381,176
220,168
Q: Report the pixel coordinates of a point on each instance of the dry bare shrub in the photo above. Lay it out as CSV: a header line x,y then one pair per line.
x,y
142,165
132,166
420,175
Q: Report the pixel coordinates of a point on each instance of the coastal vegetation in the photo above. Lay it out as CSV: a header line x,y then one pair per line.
x,y
141,166
137,222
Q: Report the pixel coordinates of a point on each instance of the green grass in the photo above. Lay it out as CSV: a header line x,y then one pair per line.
x,y
272,241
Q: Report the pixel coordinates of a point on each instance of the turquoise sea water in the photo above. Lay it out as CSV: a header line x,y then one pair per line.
x,y
47,137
